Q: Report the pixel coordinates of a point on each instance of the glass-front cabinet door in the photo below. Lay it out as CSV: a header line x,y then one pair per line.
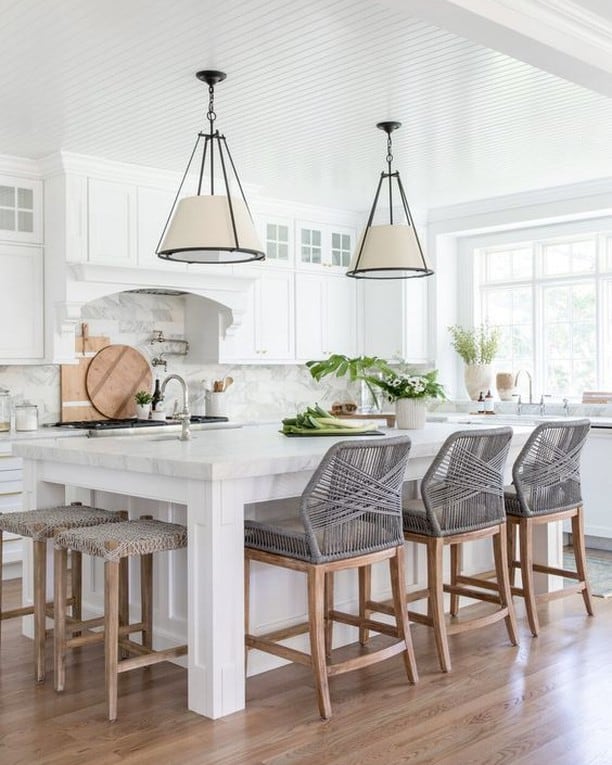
x,y
324,245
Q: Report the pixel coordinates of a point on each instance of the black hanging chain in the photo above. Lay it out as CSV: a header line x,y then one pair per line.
x,y
389,157
210,114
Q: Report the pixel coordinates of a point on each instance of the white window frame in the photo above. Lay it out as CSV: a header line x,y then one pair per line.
x,y
468,305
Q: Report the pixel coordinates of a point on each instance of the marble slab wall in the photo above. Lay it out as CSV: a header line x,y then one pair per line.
x,y
258,394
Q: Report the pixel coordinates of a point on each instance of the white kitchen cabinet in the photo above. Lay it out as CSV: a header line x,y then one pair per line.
x,y
266,330
20,210
277,238
21,307
596,478
153,208
394,318
323,246
112,223
11,488
326,315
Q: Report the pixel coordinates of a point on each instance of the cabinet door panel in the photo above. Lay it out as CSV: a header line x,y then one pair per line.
x,y
341,315
112,223
309,317
274,323
154,206
21,307
383,322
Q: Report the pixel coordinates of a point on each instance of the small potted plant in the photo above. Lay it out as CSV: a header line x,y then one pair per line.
x,y
143,404
410,392
477,347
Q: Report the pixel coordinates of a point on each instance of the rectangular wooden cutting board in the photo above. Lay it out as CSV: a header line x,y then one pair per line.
x,y
75,403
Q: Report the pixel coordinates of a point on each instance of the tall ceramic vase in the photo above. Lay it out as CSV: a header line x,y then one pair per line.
x,y
478,378
410,413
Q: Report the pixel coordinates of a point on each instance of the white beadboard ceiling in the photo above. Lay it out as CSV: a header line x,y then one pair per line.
x,y
307,83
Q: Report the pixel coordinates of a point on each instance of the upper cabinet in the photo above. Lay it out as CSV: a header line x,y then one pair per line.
x,y
112,223
20,210
323,245
276,235
326,315
153,209
21,307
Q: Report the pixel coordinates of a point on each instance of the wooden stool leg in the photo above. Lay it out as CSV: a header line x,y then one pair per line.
x,y
124,600
1,544
76,587
146,598
111,634
503,582
398,588
316,621
329,606
40,606
456,563
365,594
60,563
580,556
526,560
511,546
435,584
247,605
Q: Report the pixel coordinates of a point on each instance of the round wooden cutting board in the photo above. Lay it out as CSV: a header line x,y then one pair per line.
x,y
114,375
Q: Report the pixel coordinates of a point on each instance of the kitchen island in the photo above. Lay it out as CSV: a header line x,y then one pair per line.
x,y
211,483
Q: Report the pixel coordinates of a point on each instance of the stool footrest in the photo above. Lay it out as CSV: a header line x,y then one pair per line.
x,y
154,657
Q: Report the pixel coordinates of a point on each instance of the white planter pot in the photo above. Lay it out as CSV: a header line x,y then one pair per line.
x,y
478,379
410,413
143,411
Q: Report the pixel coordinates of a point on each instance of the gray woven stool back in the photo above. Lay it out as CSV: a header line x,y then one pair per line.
x,y
463,488
123,539
546,473
351,505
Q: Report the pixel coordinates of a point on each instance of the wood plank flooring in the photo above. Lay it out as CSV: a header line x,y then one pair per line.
x,y
547,701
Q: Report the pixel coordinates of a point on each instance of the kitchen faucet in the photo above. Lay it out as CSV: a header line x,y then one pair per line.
x,y
183,416
518,374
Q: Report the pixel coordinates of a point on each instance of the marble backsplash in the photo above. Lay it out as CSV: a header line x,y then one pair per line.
x,y
259,393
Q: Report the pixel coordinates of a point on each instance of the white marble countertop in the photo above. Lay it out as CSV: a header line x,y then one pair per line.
x,y
216,454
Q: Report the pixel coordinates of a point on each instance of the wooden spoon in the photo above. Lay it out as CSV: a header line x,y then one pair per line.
x,y
227,382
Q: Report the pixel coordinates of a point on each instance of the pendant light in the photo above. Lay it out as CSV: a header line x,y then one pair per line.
x,y
391,250
211,227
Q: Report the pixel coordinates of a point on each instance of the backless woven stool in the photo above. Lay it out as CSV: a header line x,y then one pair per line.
x,y
40,525
546,488
350,518
115,544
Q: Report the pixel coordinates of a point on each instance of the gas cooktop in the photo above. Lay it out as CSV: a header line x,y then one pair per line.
x,y
133,423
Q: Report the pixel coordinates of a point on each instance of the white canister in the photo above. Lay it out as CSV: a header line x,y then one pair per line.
x,y
215,404
26,416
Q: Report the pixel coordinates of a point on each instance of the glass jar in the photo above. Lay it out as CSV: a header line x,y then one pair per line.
x,y
26,416
5,410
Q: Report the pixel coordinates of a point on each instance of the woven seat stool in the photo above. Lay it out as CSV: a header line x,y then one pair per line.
x,y
114,545
461,501
350,518
40,525
546,488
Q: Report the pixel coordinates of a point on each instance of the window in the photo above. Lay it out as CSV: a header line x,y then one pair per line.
x,y
311,245
341,249
552,301
277,241
16,209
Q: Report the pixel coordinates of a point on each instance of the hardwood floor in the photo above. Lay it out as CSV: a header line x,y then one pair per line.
x,y
547,701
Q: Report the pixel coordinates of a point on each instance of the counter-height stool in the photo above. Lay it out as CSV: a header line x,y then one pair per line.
x,y
349,518
461,501
546,488
114,544
40,525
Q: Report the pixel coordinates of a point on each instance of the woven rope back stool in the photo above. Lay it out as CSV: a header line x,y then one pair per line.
x,y
115,544
40,525
546,488
461,501
350,518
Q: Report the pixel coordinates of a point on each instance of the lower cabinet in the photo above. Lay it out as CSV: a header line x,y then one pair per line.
x,y
266,332
21,307
11,487
595,463
325,316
